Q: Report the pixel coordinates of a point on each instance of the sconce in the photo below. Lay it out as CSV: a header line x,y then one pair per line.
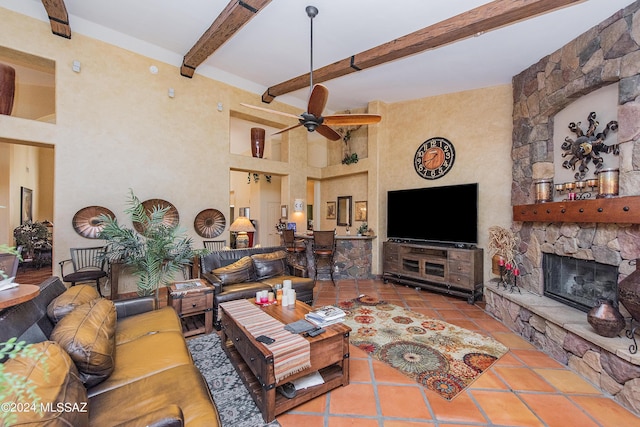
x,y
284,211
298,205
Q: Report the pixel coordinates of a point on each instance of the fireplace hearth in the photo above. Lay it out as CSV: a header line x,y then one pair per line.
x,y
578,283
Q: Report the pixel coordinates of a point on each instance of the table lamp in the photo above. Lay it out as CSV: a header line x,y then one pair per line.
x,y
242,226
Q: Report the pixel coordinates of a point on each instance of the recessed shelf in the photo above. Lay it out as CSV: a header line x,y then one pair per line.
x,y
619,210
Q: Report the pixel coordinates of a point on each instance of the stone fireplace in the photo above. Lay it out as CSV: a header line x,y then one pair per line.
x,y
608,53
578,283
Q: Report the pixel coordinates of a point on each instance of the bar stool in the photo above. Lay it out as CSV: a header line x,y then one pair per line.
x,y
324,247
295,247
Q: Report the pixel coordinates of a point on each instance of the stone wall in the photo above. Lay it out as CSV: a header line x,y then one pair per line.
x,y
606,54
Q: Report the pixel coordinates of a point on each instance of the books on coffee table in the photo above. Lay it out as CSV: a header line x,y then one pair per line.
x,y
324,316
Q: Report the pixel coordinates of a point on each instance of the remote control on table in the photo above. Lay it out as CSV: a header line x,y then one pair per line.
x,y
316,332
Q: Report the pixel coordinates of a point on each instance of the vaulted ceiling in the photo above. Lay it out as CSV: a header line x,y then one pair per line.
x,y
364,50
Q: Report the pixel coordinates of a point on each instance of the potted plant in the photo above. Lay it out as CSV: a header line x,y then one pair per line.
x,y
502,246
156,254
32,236
364,229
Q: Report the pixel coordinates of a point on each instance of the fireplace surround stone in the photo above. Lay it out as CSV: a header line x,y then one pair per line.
x,y
606,54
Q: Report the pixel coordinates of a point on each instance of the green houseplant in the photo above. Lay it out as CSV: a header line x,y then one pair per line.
x,y
156,254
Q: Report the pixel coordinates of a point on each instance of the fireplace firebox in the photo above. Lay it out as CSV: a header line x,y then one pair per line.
x,y
578,283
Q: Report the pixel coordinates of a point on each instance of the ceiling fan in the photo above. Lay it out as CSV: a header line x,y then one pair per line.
x,y
312,119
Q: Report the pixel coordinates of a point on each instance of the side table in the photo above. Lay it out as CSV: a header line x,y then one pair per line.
x,y
193,301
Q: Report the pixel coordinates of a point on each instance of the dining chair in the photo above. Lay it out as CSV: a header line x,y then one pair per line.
x,y
9,264
324,248
88,265
296,248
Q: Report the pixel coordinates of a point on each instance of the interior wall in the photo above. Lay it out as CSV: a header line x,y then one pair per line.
x,y
117,129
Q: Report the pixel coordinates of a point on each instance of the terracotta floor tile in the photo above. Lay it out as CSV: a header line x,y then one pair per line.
x,y
510,339
504,408
536,358
359,370
354,399
450,315
555,410
384,373
460,409
508,360
489,380
403,402
606,411
352,422
317,405
523,379
404,423
567,381
492,325
355,352
297,420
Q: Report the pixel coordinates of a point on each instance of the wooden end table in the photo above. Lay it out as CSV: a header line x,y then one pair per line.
x,y
193,301
254,361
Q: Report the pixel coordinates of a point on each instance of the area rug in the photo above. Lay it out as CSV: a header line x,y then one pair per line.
x,y
234,403
441,357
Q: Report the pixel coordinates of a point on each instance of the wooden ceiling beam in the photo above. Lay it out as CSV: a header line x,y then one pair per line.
x,y
498,13
58,17
234,16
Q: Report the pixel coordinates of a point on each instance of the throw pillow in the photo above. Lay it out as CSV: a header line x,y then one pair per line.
x,y
55,380
238,272
88,335
270,264
73,297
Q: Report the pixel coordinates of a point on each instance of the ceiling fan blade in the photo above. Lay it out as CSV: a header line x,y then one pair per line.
x,y
317,100
293,116
351,119
328,133
287,129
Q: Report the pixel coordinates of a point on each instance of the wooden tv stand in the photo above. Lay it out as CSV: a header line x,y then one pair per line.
x,y
451,270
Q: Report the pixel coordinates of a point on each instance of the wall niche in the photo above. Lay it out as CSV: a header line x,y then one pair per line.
x,y
35,90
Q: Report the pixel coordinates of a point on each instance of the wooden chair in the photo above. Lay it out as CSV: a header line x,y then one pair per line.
x,y
214,245
295,247
88,265
324,248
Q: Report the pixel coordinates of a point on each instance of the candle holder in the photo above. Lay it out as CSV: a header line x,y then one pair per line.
x,y
509,277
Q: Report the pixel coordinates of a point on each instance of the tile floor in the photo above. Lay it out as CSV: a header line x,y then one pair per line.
x,y
524,388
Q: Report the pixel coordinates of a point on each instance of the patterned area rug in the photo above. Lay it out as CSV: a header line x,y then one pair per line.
x,y
440,356
235,405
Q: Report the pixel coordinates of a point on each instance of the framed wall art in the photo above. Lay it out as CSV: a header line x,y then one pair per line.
x,y
26,205
331,210
360,211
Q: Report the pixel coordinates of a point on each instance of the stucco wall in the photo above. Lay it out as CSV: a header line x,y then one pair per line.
x,y
116,129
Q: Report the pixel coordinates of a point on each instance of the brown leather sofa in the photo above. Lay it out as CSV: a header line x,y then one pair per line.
x,y
240,273
134,371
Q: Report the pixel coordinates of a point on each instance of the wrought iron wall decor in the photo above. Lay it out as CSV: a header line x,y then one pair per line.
x,y
588,146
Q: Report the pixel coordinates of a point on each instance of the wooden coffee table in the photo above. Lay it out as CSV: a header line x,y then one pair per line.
x,y
254,361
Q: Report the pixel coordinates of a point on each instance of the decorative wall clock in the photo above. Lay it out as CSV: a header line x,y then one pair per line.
x,y
434,158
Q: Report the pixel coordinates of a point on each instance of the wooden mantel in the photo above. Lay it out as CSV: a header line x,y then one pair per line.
x,y
620,210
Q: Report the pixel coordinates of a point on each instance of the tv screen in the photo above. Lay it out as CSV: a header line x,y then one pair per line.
x,y
447,214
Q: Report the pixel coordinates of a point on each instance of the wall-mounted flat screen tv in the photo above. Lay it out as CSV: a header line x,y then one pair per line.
x,y
446,214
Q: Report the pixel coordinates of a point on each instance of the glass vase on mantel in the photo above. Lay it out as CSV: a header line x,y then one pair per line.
x,y
257,142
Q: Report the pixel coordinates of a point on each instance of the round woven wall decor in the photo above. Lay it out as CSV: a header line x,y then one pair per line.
x,y
171,217
87,223
209,223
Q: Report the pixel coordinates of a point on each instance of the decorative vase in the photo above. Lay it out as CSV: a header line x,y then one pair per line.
x,y
257,142
7,88
495,264
606,319
629,293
